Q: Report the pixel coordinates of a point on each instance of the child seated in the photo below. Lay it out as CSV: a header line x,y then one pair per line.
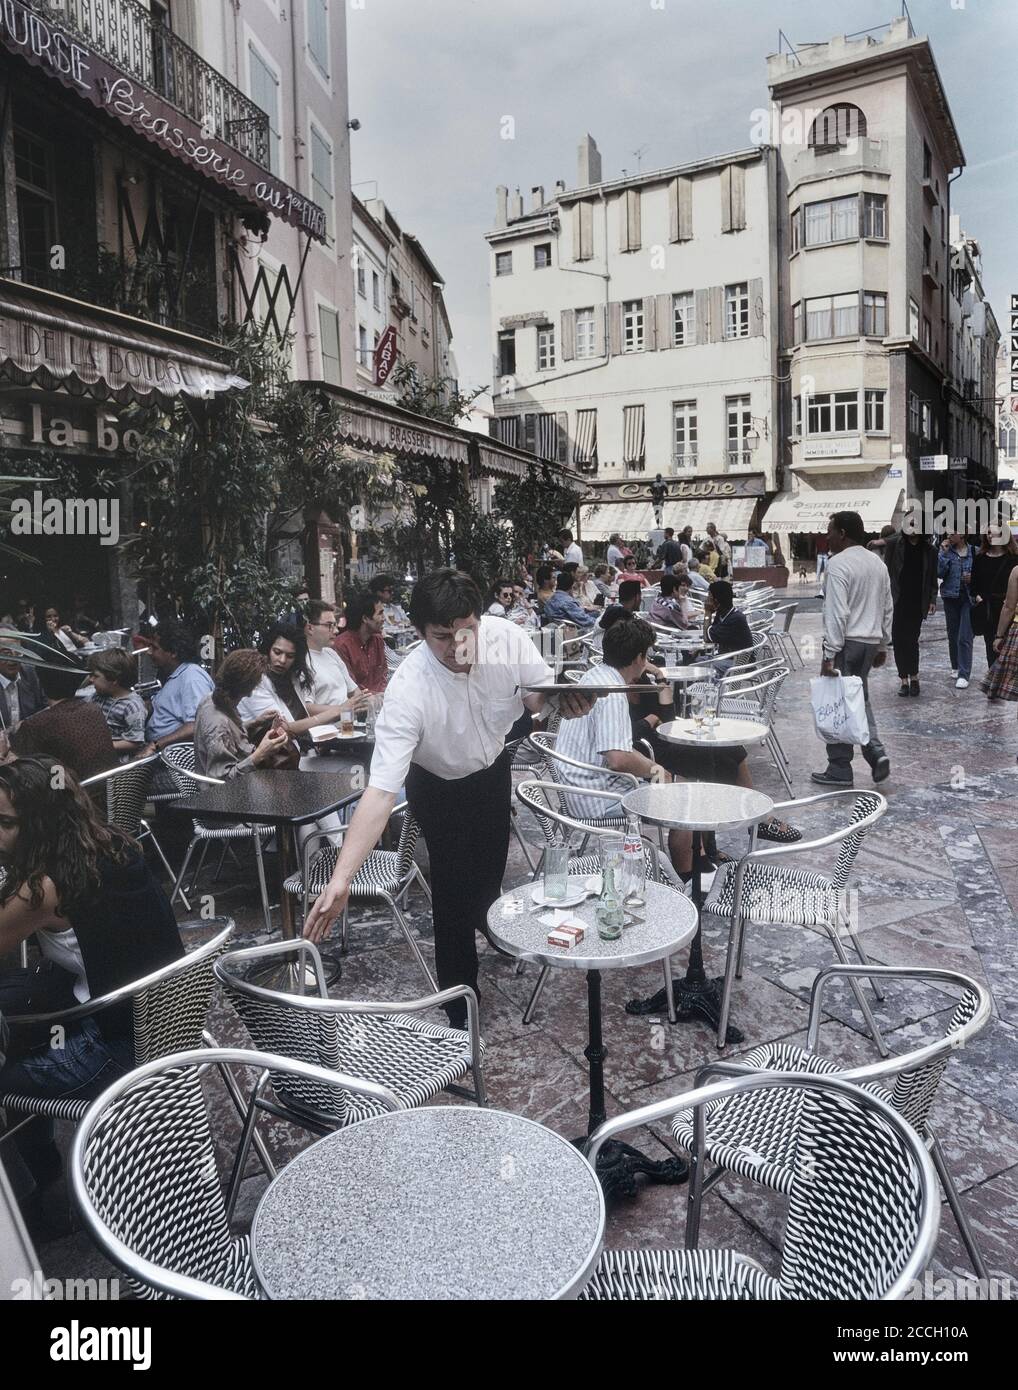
x,y
111,673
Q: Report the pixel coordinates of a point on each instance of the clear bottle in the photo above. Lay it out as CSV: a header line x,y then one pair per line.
x,y
610,912
635,865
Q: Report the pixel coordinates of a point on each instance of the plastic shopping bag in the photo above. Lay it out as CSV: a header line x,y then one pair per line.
x,y
839,709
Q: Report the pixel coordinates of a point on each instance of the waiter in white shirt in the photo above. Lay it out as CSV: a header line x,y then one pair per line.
x,y
441,734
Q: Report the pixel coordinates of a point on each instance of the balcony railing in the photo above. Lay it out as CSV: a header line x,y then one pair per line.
x,y
739,458
124,32
683,460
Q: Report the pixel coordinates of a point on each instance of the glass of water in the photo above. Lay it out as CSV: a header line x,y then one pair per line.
x,y
556,872
698,714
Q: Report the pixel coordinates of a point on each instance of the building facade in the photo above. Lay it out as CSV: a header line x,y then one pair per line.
x,y
634,332
974,342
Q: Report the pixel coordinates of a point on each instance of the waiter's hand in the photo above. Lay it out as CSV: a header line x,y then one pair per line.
x,y
879,659
325,909
574,705
827,667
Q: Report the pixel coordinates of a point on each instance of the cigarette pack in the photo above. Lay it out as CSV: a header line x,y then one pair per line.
x,y
565,937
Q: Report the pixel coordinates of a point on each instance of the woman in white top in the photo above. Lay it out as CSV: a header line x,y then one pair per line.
x,y
501,599
285,689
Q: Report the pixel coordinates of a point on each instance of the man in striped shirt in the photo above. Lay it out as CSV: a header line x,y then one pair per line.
x,y
603,738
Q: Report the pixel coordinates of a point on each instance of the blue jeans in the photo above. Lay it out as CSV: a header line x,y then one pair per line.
x,y
958,612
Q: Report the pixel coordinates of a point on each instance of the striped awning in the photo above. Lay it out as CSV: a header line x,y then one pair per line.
x,y
546,437
508,430
585,442
635,520
633,446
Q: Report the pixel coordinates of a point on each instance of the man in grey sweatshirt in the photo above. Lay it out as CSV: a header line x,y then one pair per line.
x,y
857,630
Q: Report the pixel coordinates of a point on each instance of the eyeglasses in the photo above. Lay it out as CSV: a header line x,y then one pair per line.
x,y
327,625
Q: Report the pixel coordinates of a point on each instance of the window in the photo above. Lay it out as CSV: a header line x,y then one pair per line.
x,y
874,314
585,346
913,413
507,353
837,127
834,316
835,220
739,422
632,325
929,423
37,225
318,34
737,311
585,441
542,256
363,352
927,162
684,319
630,208
545,347
796,229
927,334
328,332
321,177
1008,440
684,434
927,250
633,438
797,416
875,414
833,412
875,216
376,290
264,85
503,262
362,274
797,322
913,319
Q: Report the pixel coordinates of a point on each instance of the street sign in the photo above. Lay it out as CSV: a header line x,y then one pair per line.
x,y
385,356
959,465
933,463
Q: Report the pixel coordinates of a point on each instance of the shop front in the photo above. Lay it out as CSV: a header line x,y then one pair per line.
x,y
640,510
800,518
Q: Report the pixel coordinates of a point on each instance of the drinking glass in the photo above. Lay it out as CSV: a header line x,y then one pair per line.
x,y
711,700
556,871
346,721
698,713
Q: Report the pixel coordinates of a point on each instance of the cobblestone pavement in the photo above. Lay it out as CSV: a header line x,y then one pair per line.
x,y
937,885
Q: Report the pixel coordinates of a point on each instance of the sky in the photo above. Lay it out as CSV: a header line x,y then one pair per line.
x,y
432,80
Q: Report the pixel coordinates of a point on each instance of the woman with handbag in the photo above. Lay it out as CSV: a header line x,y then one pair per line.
x,y
991,570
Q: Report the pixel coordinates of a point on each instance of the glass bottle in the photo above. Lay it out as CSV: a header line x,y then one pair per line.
x,y
635,865
610,912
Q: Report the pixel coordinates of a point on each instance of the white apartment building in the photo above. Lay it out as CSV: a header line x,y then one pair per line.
x,y
634,326
868,151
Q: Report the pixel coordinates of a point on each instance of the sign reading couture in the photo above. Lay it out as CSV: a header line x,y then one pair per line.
x,y
84,71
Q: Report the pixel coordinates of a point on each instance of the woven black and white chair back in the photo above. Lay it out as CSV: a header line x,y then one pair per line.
x,y
126,793
915,1091
866,804
408,836
179,758
170,1014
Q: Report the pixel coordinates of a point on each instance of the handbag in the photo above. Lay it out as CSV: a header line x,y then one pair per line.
x,y
286,758
839,709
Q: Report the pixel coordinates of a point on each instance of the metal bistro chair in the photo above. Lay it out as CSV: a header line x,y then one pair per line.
x,y
862,1217
758,1136
758,891
553,822
385,874
179,758
169,1009
754,695
387,1044
144,1173
617,783
126,793
782,636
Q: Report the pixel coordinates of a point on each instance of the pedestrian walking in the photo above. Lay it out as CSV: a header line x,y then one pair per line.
x,y
991,570
1001,681
857,628
954,570
912,569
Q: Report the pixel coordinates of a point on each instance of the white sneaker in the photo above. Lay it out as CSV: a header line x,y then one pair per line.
x,y
961,683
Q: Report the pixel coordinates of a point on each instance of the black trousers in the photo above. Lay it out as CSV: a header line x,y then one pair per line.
x,y
465,824
906,626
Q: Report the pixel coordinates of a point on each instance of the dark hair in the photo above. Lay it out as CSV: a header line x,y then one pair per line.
x,y
600,569
669,531
60,685
61,836
626,559
570,567
238,675
115,664
290,633
625,640
722,593
315,608
382,581
565,580
565,534
543,575
176,638
851,523
500,584
443,596
359,606
668,583
629,588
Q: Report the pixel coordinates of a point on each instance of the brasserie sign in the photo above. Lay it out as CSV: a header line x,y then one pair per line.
x,y
84,71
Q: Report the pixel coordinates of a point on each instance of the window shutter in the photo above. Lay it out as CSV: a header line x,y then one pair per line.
x,y
615,327
568,335
685,200
600,345
703,316
635,236
649,324
664,320
530,433
623,223
673,210
738,197
577,232
562,431
726,198
717,313
756,308
586,231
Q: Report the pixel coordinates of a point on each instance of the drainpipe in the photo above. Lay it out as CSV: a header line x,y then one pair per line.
x,y
309,335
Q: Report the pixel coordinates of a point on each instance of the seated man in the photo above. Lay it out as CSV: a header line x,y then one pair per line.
x,y
332,683
71,731
360,645
20,691
112,674
696,579
728,627
668,610
563,608
604,737
384,586
185,684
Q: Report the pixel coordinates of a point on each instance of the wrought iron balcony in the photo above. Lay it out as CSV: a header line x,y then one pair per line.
x,y
124,32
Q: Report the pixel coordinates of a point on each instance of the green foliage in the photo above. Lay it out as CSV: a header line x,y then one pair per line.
x,y
536,507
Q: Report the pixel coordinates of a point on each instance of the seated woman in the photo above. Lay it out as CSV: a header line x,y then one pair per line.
x,y
501,600
285,687
100,919
221,747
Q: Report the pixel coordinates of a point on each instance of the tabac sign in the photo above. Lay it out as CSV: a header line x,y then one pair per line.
x,y
679,490
66,57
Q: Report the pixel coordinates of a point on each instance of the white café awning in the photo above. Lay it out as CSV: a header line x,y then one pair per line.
x,y
635,520
810,509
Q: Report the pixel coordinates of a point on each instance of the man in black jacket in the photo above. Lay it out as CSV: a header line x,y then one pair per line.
x,y
20,692
912,569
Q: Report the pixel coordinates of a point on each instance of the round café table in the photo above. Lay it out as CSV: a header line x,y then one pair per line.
x,y
660,928
696,806
440,1202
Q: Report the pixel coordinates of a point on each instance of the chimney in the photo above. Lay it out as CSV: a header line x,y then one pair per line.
x,y
537,197
560,187
501,205
516,209
589,165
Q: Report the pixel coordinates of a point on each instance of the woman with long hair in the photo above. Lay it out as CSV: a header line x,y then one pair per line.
x,y
286,686
221,745
100,919
991,570
1001,680
912,568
